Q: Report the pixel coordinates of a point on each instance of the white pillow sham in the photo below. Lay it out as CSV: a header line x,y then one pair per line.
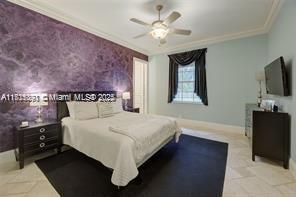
x,y
117,106
105,109
83,110
70,106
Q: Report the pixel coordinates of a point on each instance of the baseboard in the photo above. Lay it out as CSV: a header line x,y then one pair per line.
x,y
292,167
209,126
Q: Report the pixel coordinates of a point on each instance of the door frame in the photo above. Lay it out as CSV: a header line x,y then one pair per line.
x,y
145,83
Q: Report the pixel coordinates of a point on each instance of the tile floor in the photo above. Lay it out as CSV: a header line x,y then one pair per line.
x,y
243,177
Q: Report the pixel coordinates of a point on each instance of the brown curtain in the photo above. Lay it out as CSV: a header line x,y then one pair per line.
x,y
183,59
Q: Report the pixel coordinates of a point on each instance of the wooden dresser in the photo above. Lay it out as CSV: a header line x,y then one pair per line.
x,y
271,136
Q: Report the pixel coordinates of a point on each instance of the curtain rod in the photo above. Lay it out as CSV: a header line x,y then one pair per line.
x,y
189,51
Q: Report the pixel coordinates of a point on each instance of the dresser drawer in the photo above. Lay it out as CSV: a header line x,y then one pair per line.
x,y
41,145
40,137
41,129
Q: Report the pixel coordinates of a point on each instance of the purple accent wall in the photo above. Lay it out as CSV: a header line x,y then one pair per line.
x,y
39,54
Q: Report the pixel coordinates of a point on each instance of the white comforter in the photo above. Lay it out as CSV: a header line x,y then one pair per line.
x,y
120,152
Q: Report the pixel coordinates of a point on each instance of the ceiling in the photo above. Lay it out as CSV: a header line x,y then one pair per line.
x,y
210,20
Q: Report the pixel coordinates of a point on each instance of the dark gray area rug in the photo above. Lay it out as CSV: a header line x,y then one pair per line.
x,y
193,167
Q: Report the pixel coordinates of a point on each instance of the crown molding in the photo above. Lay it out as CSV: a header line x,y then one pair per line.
x,y
275,9
209,41
48,11
51,12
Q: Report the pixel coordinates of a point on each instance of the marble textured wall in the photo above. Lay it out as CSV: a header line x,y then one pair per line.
x,y
39,54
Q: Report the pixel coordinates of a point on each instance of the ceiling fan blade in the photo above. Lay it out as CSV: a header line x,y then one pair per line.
x,y
139,22
141,35
181,31
162,41
171,18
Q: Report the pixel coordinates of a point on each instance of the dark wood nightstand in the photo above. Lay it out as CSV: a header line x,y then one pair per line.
x,y
130,109
37,138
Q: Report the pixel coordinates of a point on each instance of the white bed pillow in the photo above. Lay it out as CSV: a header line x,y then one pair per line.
x,y
70,106
117,106
85,110
105,109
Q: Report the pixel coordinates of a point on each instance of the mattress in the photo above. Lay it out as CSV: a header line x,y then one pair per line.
x,y
116,151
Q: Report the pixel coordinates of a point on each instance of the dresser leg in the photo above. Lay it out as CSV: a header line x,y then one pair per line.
x,y
16,155
59,150
286,164
253,157
21,161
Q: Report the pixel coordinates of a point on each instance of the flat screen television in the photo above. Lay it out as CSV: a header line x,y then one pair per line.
x,y
276,78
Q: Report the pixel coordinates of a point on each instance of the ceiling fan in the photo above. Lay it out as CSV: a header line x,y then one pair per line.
x,y
161,28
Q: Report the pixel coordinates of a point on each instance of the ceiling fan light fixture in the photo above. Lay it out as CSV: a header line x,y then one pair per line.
x,y
160,28
159,32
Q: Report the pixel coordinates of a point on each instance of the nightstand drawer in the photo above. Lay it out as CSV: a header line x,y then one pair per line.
x,y
40,137
41,129
41,145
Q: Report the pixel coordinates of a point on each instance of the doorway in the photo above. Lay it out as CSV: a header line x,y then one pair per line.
x,y
140,84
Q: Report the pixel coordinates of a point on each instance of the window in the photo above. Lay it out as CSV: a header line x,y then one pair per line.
x,y
186,80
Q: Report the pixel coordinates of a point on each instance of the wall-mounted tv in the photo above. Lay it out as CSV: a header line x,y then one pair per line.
x,y
276,78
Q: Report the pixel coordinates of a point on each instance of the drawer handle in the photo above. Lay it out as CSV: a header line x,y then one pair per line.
x,y
42,137
42,145
42,130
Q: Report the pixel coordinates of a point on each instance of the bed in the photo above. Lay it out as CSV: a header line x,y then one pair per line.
x,y
121,152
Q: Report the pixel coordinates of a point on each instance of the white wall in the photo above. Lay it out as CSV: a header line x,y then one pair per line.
x,y
231,68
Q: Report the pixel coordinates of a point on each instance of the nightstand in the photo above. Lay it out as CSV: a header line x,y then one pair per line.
x,y
37,138
130,109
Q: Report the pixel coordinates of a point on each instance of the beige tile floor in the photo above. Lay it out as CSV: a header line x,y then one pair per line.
x,y
243,177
